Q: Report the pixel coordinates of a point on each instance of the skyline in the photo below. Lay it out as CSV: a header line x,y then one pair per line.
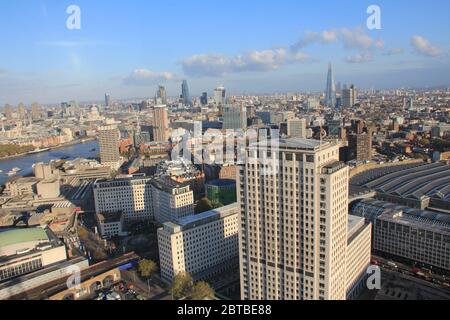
x,y
128,50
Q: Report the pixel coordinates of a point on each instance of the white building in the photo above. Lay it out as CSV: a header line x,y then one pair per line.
x,y
294,241
132,196
296,128
202,245
110,224
171,200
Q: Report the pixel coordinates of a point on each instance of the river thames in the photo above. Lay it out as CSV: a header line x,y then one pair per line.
x,y
25,162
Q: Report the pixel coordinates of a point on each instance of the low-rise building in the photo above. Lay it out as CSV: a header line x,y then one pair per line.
x,y
110,224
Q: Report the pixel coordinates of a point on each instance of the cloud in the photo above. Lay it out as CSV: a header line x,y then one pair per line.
x,y
360,58
216,65
144,77
351,39
423,47
393,51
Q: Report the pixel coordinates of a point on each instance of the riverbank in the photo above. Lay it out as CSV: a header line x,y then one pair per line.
x,y
63,145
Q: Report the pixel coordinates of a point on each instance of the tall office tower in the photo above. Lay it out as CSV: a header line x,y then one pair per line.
x,y
161,95
8,111
349,97
296,128
295,238
235,118
358,126
220,96
204,99
131,196
160,124
107,100
361,146
185,94
330,93
22,112
108,140
35,111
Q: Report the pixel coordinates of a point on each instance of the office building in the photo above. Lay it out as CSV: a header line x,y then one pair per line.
x,y
220,96
8,111
204,99
203,245
185,97
160,124
295,241
349,97
107,100
161,96
330,92
296,128
171,200
361,146
110,224
130,195
221,191
108,140
235,118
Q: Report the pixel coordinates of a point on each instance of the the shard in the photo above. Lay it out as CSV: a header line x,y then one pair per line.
x,y
330,94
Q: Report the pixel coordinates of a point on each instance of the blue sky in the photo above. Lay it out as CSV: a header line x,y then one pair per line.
x,y
127,48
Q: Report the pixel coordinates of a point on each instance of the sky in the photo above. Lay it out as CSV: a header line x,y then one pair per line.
x,y
127,48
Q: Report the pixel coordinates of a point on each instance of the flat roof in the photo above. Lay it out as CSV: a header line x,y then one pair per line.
x,y
293,143
19,235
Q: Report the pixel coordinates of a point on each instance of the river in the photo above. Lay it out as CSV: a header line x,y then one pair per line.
x,y
25,162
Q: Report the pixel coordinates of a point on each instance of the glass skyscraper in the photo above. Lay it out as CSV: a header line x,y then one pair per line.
x,y
185,94
330,94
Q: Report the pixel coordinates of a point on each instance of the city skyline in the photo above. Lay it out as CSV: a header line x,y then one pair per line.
x,y
51,63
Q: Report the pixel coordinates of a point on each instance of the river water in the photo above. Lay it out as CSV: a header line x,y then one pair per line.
x,y
82,150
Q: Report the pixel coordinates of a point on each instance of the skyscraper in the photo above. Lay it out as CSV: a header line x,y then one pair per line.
x,y
330,94
185,94
297,241
161,95
108,140
349,97
220,96
8,111
36,111
107,100
160,124
204,99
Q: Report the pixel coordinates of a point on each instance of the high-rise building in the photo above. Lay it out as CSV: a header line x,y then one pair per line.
x,y
22,111
330,93
204,99
108,140
235,118
361,146
36,111
185,97
349,97
297,241
296,128
160,124
220,96
107,100
161,95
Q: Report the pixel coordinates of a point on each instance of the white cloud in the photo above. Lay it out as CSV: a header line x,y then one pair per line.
x,y
359,58
144,77
355,38
423,47
215,65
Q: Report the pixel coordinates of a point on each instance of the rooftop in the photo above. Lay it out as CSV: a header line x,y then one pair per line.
x,y
20,235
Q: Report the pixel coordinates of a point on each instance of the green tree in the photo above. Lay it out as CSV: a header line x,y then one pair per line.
x,y
201,291
203,205
182,285
147,268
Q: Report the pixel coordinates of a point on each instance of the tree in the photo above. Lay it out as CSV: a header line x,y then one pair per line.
x,y
201,291
203,205
147,268
182,285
